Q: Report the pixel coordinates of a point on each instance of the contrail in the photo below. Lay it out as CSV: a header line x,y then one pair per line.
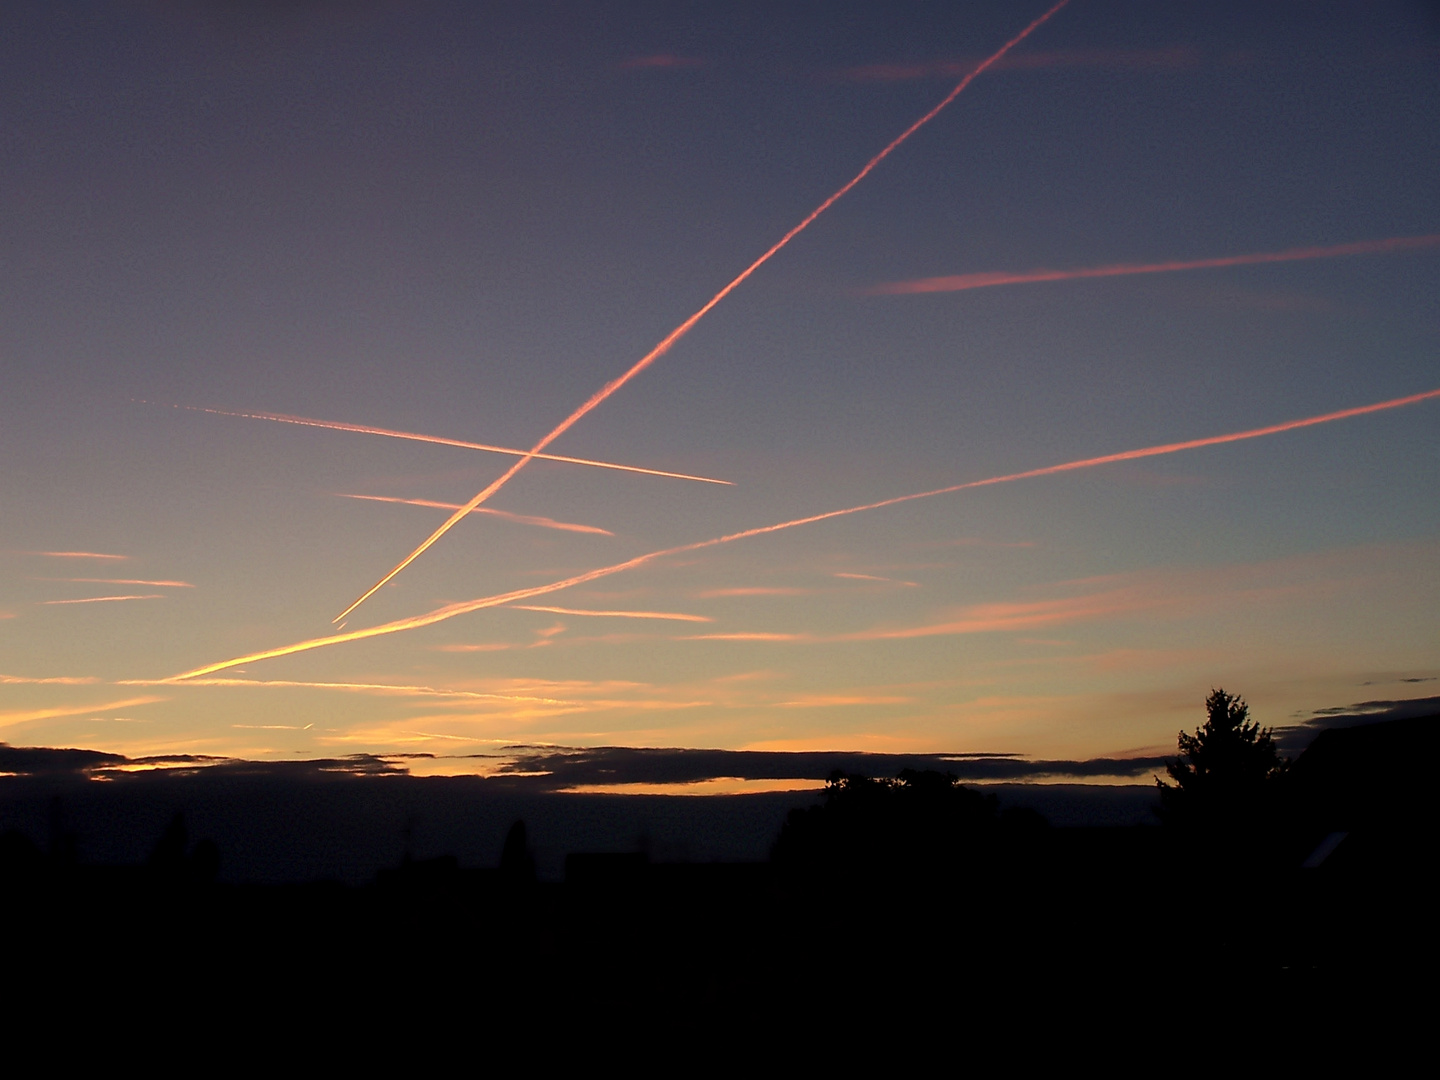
x,y
615,614
962,282
119,581
75,555
523,519
98,599
451,610
365,429
668,342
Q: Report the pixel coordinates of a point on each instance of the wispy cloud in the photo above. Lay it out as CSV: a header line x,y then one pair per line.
x,y
522,519
990,278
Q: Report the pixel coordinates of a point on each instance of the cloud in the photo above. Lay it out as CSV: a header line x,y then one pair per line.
x,y
101,599
1294,738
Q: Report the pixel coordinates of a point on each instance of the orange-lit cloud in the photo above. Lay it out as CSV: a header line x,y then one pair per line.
x,y
987,279
8,719
523,519
669,341
616,614
120,581
76,555
451,610
366,429
101,599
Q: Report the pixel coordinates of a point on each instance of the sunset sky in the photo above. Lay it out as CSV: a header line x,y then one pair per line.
x,y
1143,225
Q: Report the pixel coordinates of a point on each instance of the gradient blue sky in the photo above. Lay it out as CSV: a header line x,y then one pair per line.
x,y
462,220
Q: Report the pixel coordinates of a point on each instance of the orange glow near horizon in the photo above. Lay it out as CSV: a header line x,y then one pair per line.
x,y
669,341
451,610
523,519
986,279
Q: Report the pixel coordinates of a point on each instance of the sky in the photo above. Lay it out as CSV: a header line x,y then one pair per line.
x,y
462,221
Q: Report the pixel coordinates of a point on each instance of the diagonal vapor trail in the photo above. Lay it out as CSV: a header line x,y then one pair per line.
x,y
987,279
452,610
522,519
366,429
668,342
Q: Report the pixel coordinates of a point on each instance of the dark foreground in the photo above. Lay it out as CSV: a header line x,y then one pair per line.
x,y
1027,925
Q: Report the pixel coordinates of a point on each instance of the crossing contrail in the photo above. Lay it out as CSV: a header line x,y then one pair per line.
x,y
523,519
984,280
366,429
451,610
668,342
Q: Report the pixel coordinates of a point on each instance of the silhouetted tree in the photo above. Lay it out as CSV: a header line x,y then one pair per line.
x,y
1227,772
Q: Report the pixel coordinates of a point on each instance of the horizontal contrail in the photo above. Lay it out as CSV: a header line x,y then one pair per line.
x,y
451,610
397,689
119,581
984,280
75,555
365,429
523,519
99,599
668,342
616,614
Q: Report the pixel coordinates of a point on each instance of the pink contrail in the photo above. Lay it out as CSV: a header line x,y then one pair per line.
x,y
523,519
668,342
452,610
76,555
120,581
962,282
366,429
99,599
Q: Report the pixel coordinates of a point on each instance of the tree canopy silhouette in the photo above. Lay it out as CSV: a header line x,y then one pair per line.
x,y
1227,772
